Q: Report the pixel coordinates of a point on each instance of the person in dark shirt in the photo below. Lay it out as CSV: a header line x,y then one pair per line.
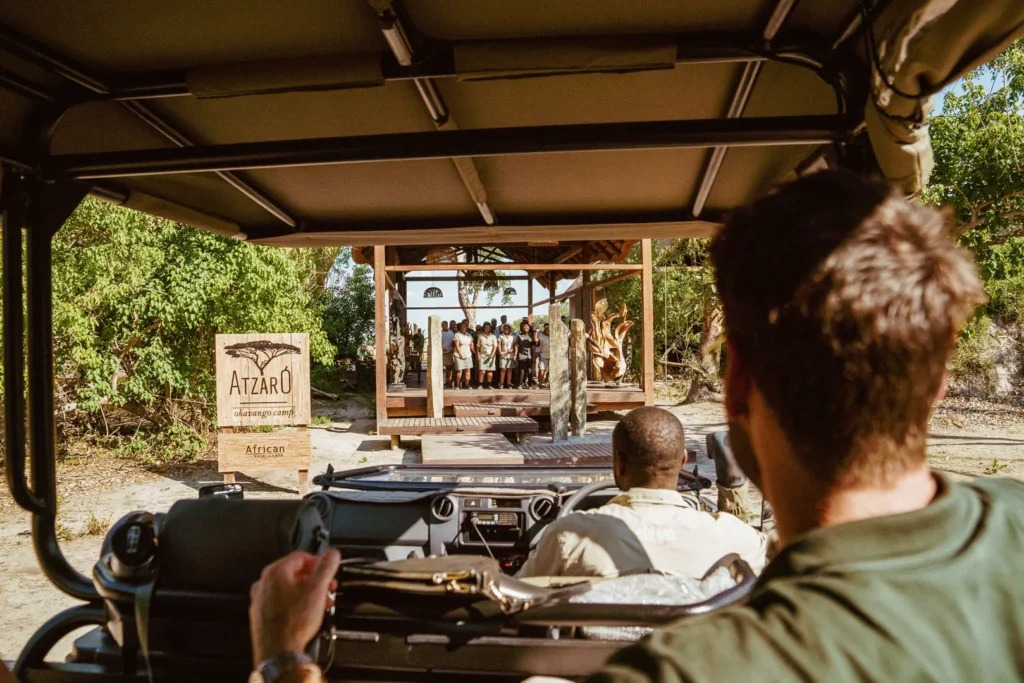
x,y
524,355
842,304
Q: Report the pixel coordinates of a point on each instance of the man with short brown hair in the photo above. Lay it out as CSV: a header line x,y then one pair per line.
x,y
842,303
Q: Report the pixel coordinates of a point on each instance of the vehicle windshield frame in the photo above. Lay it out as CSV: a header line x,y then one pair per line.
x,y
689,480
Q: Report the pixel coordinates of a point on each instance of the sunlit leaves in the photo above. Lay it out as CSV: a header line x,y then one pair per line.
x,y
138,301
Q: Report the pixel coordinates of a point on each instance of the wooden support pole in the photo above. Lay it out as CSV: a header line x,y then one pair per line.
x,y
529,301
558,376
435,368
380,316
578,377
586,298
648,322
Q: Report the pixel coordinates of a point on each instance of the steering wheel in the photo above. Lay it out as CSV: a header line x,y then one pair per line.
x,y
570,504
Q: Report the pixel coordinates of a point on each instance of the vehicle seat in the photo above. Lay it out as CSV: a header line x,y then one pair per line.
x,y
659,589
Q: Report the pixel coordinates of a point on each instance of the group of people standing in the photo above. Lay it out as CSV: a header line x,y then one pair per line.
x,y
493,357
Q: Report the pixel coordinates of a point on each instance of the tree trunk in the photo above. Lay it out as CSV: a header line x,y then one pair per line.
x,y
469,294
706,385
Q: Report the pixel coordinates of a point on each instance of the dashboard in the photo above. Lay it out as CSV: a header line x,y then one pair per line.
x,y
401,524
397,512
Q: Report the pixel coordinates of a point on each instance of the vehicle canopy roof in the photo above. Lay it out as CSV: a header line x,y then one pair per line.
x,y
474,121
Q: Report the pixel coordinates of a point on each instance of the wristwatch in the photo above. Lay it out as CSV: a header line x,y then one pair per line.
x,y
288,667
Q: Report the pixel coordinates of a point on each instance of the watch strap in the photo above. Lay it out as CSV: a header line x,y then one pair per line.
x,y
288,667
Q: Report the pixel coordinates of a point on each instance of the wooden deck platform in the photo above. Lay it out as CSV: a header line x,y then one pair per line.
x,y
469,449
397,427
413,401
567,453
574,453
515,408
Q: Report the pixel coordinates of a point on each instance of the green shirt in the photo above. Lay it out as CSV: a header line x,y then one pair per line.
x,y
931,595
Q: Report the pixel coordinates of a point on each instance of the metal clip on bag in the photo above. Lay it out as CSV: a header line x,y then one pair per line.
x,y
459,578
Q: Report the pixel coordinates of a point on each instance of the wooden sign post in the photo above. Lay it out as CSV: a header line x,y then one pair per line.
x,y
263,380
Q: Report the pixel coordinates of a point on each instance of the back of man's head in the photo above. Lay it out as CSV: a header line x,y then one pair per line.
x,y
648,447
843,301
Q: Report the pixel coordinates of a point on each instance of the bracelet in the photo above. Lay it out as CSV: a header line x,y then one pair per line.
x,y
287,667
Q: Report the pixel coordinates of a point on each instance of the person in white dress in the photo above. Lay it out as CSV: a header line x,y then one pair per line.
x,y
487,351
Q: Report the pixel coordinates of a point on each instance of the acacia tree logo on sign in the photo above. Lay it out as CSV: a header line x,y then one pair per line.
x,y
262,380
260,352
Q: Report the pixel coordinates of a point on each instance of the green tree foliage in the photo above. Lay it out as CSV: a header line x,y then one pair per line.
x,y
978,140
687,313
348,307
137,301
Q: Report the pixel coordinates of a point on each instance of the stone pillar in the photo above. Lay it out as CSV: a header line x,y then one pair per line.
x,y
578,377
558,375
435,368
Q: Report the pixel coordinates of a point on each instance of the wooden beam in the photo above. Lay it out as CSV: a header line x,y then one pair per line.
x,y
380,333
325,236
435,369
469,267
394,289
460,308
529,301
647,322
567,294
622,276
459,278
568,254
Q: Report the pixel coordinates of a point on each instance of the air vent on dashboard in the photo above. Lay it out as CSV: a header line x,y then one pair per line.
x,y
542,508
443,508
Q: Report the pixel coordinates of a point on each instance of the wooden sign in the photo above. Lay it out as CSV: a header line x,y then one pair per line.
x,y
262,379
261,451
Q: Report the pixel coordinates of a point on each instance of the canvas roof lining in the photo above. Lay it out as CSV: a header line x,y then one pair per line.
x,y
149,37
385,199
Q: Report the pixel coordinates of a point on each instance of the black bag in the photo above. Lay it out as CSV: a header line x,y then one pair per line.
x,y
222,545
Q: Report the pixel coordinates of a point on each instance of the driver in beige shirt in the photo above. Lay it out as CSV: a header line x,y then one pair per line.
x,y
649,527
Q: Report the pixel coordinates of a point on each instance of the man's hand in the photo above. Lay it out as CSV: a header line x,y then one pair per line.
x,y
287,604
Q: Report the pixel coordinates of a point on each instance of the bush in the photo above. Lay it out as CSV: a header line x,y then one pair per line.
x,y
971,367
175,443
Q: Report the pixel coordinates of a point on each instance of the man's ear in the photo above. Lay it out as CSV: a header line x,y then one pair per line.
x,y
738,383
618,467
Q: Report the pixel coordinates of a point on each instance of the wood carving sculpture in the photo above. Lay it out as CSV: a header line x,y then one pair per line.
x,y
396,360
605,344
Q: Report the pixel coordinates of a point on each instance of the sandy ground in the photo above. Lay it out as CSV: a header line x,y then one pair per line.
x,y
969,439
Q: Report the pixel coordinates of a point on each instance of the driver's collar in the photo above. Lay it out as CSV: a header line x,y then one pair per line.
x,y
642,496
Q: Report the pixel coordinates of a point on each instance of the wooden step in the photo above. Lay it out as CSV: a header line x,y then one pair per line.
x,y
508,409
397,427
